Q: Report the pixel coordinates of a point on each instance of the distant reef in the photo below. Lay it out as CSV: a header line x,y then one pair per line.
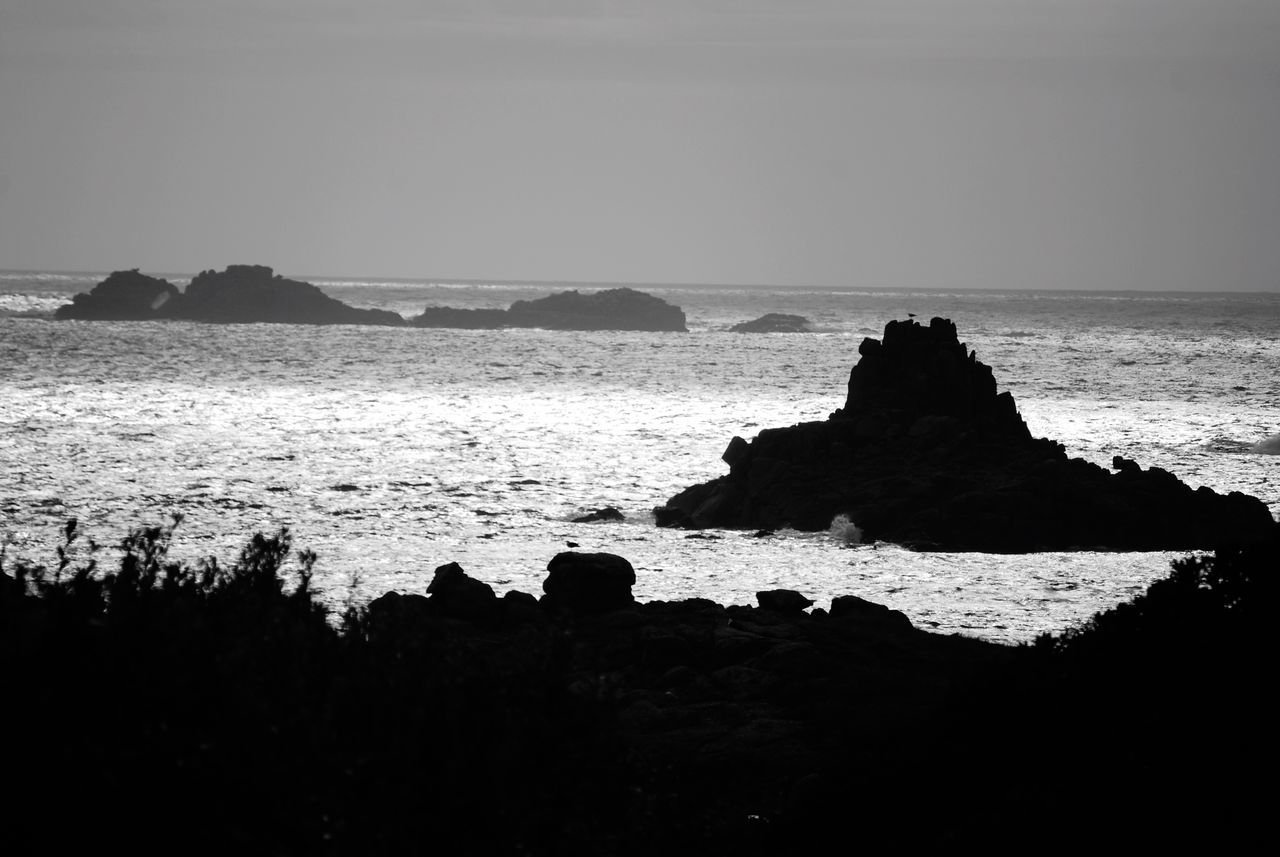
x,y
609,309
925,453
240,294
254,293
774,322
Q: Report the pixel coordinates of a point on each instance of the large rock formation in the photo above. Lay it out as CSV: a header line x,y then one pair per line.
x,y
927,454
241,293
250,293
610,309
123,296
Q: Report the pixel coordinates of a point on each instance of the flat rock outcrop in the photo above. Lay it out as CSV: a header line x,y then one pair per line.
x,y
123,296
926,453
239,294
774,322
609,309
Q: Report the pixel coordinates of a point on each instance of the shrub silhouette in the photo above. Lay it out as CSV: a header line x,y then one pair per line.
x,y
207,708
168,707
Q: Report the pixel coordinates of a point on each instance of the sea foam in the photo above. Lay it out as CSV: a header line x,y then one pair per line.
x,y
844,531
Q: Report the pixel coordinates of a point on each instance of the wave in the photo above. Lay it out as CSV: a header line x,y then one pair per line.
x,y
845,531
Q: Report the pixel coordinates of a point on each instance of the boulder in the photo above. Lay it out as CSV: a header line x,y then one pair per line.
x,y
588,582
399,616
774,322
123,296
926,452
462,597
783,601
855,609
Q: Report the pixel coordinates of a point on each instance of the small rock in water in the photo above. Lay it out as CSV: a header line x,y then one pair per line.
x,y
608,513
774,322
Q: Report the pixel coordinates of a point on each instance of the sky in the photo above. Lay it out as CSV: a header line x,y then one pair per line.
x,y
1094,144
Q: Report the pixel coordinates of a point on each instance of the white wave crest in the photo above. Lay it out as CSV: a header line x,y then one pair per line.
x,y
845,531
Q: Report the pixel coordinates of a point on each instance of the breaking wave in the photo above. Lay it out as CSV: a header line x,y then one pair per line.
x,y
845,531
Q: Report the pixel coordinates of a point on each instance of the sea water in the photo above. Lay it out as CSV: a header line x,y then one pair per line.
x,y
392,451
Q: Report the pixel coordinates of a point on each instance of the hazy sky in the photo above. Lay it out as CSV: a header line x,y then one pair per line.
x,y
965,143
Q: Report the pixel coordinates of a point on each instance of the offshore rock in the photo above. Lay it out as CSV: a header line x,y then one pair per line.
x,y
608,513
240,294
774,322
610,309
123,296
250,293
926,453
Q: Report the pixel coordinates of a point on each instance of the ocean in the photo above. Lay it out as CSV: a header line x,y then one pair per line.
x,y
392,451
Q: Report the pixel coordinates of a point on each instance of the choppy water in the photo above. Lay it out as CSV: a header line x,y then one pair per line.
x,y
391,451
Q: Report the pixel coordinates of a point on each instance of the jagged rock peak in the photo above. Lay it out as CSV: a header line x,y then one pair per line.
x,y
917,371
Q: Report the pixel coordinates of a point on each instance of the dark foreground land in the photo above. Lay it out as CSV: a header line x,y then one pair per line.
x,y
159,708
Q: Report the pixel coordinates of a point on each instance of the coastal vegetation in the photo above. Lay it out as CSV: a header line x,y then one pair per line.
x,y
203,708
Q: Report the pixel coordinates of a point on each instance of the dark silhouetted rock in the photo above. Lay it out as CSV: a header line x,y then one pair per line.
x,y
461,596
774,322
588,582
240,294
925,452
783,600
853,608
123,296
398,615
609,309
251,293
608,513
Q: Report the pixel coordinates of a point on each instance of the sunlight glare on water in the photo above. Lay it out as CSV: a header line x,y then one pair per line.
x,y
392,451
